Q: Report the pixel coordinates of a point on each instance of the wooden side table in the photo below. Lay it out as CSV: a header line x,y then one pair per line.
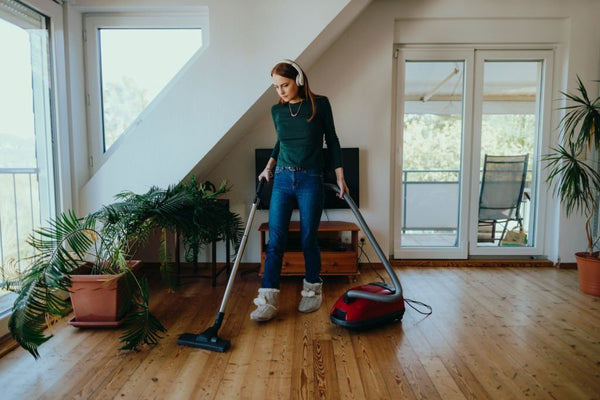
x,y
337,258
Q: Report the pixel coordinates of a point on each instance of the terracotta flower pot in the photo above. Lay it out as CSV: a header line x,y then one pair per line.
x,y
588,267
98,300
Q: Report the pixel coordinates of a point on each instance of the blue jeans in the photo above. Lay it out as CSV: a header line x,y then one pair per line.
x,y
305,186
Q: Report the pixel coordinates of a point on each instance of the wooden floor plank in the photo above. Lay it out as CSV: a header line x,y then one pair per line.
x,y
326,381
467,332
346,366
302,362
525,362
532,373
495,333
525,337
399,382
172,357
239,379
433,343
280,370
211,372
369,367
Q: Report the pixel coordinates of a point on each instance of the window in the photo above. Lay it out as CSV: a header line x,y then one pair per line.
x,y
130,60
27,195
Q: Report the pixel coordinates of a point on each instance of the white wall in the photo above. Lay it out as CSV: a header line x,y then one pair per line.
x,y
356,73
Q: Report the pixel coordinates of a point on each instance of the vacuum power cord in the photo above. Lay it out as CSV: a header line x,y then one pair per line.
x,y
410,302
362,252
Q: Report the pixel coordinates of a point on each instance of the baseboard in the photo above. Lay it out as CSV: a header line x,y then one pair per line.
x,y
515,263
205,266
7,344
569,265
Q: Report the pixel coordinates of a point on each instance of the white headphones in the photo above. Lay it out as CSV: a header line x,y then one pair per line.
x,y
300,76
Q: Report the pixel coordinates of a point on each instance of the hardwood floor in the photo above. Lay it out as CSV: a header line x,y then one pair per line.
x,y
495,333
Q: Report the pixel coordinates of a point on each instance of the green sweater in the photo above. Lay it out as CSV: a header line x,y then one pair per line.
x,y
299,142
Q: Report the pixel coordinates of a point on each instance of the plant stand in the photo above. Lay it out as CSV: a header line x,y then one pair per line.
x,y
214,271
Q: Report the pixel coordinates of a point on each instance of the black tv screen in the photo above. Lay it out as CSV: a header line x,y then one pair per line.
x,y
351,172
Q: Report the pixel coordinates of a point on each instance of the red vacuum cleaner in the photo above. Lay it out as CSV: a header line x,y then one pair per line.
x,y
360,307
372,304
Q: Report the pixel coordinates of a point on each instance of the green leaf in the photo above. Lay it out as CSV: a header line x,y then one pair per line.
x,y
141,326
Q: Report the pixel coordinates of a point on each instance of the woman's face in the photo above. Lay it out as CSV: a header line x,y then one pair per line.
x,y
286,88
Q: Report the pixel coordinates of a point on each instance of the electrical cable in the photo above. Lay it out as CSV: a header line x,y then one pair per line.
x,y
360,246
410,302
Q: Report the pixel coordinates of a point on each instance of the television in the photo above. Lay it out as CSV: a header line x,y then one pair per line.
x,y
331,201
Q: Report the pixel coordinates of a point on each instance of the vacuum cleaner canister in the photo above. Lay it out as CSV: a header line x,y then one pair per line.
x,y
358,313
372,304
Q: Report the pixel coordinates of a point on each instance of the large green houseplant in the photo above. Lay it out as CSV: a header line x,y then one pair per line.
x,y
190,209
575,178
105,239
61,249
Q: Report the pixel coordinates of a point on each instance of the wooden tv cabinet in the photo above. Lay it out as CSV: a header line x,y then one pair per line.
x,y
337,258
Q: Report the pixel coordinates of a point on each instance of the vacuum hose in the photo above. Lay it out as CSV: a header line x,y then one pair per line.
x,y
397,296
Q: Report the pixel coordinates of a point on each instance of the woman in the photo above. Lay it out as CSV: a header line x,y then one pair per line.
x,y
302,120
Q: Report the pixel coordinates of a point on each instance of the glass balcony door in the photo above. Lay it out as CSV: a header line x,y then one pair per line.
x,y
511,108
454,107
433,113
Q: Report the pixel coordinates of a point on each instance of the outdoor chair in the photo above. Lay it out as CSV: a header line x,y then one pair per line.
x,y
502,186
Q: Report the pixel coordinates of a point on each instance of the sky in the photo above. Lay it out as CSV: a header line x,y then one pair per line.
x,y
17,141
149,56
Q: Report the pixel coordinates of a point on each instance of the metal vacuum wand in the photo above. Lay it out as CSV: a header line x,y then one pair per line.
x,y
386,264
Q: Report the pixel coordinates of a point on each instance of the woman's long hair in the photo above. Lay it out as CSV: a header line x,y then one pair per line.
x,y
288,71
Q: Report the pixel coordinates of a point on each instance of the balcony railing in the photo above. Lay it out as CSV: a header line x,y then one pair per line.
x,y
421,208
19,214
431,197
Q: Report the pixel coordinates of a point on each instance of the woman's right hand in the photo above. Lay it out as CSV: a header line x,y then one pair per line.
x,y
266,174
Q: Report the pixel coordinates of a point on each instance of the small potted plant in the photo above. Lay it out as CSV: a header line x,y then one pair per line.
x,y
575,179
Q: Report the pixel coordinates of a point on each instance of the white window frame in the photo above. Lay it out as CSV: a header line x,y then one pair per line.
x,y
543,129
61,179
197,19
424,53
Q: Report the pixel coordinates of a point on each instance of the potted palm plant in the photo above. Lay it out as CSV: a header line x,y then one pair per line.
x,y
100,244
69,247
575,179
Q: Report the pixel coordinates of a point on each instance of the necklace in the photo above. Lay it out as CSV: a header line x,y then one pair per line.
x,y
290,107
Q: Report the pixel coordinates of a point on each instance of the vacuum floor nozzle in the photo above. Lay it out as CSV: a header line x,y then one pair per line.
x,y
213,343
209,340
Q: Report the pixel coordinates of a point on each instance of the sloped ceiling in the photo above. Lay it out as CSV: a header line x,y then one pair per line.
x,y
225,90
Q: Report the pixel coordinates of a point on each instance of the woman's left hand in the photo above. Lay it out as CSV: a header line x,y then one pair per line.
x,y
341,182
